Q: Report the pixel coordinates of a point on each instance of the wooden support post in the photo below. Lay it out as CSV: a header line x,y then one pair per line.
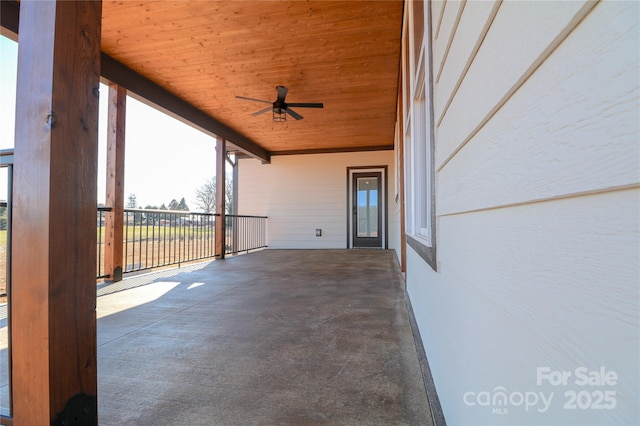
x,y
113,248
54,212
221,163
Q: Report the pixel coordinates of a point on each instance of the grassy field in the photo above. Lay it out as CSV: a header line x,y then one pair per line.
x,y
137,233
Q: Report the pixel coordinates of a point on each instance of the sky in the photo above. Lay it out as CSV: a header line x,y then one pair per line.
x,y
164,158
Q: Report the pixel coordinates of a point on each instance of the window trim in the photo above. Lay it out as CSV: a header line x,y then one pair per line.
x,y
424,246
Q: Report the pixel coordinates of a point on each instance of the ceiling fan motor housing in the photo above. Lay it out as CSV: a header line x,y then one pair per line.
x,y
280,108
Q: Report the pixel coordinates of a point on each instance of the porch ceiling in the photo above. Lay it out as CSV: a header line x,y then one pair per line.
x,y
345,54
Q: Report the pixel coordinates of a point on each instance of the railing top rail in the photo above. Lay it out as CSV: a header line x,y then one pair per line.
x,y
177,212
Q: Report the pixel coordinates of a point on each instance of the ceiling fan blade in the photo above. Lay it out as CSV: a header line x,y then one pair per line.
x,y
294,114
282,93
307,105
262,111
252,99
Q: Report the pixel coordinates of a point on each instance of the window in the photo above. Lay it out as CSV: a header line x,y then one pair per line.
x,y
418,134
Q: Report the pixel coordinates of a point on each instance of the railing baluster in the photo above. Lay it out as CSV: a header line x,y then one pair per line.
x,y
133,243
146,241
172,239
153,240
164,241
126,241
140,240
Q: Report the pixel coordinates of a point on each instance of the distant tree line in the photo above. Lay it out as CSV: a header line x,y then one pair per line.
x,y
132,203
141,217
205,199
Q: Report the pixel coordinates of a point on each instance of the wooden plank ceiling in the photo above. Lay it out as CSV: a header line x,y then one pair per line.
x,y
345,54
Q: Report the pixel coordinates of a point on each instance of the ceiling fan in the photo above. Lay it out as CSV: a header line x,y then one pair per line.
x,y
280,108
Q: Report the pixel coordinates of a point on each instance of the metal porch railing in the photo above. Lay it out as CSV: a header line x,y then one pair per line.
x,y
156,238
245,233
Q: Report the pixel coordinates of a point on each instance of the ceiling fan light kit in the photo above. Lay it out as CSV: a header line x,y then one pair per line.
x,y
280,108
279,115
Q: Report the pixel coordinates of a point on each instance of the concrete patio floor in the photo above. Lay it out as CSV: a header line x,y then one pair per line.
x,y
276,337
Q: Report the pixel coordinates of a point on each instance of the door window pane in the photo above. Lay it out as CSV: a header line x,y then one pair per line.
x,y
367,207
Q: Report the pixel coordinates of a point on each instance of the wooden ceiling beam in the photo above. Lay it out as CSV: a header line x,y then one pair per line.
x,y
149,92
9,17
334,150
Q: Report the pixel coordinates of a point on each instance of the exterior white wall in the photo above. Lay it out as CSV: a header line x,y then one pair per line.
x,y
302,193
538,220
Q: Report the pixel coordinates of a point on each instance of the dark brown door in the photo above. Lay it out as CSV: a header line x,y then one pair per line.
x,y
367,209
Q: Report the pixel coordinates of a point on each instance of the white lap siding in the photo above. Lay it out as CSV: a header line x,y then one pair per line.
x,y
537,153
302,193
